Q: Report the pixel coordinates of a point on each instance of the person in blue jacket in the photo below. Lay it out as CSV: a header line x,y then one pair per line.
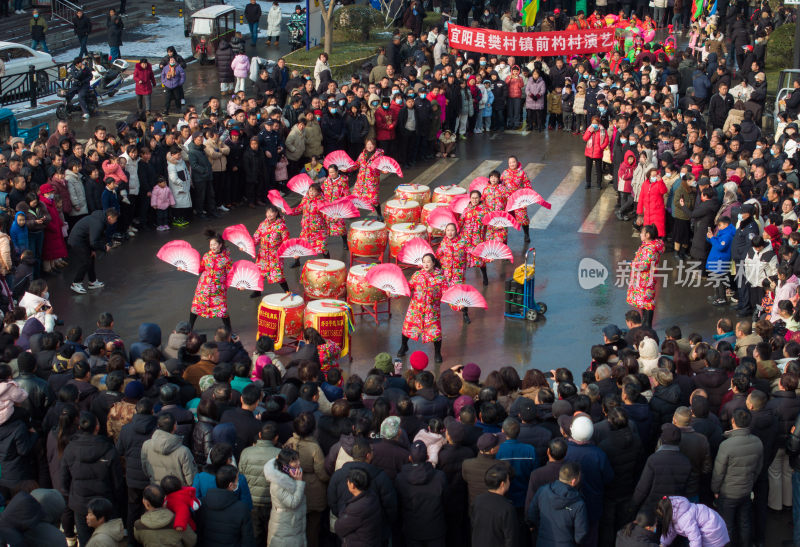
x,y
718,263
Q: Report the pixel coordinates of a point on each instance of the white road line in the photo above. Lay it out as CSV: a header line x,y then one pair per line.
x,y
600,213
433,172
482,170
543,217
533,170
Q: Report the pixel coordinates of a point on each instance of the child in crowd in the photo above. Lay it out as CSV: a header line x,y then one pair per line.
x,y
567,101
447,143
554,108
161,199
181,500
579,109
241,69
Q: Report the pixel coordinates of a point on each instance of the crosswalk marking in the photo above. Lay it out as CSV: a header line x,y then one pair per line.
x,y
558,199
482,170
600,213
434,171
533,170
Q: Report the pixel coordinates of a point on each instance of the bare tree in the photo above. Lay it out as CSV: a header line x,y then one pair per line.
x,y
327,19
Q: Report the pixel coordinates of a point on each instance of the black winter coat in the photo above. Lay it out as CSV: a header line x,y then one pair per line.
x,y
247,428
664,402
390,455
765,426
665,473
131,438
16,451
380,484
623,449
494,521
357,128
40,396
115,28
359,523
90,467
429,404
89,232
82,26
718,108
224,520
223,58
714,381
538,437
559,514
201,439
786,406
420,495
703,219
333,132
254,166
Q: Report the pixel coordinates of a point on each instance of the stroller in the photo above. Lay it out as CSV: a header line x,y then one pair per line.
x,y
520,302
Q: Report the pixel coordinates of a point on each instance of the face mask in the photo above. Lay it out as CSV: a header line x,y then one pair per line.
x,y
693,183
318,118
486,14
333,110
653,179
171,63
602,110
739,217
627,90
35,15
594,126
605,74
422,95
623,141
342,102
483,63
385,106
46,295
714,179
374,103
459,63
683,175
411,95
398,101
632,142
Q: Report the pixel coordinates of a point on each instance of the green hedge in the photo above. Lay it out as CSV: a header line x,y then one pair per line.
x,y
346,58
354,23
779,48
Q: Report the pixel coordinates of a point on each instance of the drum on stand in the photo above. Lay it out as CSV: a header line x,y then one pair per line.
x,y
280,316
417,192
323,278
367,241
398,211
332,320
364,295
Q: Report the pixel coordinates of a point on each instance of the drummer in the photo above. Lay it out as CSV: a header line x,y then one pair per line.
x,y
514,178
335,186
452,254
473,232
269,236
211,294
313,227
369,178
423,318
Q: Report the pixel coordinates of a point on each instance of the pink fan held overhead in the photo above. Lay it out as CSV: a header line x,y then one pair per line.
x,y
340,159
413,250
245,276
492,250
239,236
385,164
182,257
464,296
459,204
441,217
479,184
525,197
277,200
360,203
389,278
295,248
299,183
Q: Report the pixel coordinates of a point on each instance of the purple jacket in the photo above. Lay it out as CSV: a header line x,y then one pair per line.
x,y
701,525
176,81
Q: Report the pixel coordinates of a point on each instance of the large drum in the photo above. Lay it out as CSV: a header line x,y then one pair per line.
x,y
332,320
359,291
398,211
323,278
400,233
444,194
427,209
417,192
367,238
280,316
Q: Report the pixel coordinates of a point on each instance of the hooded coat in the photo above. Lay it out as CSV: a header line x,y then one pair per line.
x,y
109,534
149,337
90,467
287,520
164,454
155,529
224,520
651,204
129,445
560,514
420,495
700,524
223,59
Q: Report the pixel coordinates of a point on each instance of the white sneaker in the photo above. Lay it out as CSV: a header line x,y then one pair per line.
x,y
131,233
86,116
78,288
161,228
97,284
223,208
133,228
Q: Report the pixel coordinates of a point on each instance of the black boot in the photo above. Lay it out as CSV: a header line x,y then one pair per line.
x,y
437,351
465,314
525,230
284,285
296,263
485,276
255,294
647,318
326,255
344,242
403,347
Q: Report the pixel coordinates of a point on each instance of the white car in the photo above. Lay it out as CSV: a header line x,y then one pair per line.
x,y
17,58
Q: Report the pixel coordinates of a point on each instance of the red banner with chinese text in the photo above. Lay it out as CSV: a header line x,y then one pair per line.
x,y
530,44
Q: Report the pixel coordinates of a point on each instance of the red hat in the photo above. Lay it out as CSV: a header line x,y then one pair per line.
x,y
556,11
46,188
318,112
735,178
418,360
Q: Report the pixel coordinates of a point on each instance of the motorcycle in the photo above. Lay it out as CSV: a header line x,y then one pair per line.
x,y
297,36
107,79
67,107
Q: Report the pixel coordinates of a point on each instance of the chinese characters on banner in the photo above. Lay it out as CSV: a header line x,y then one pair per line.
x,y
530,44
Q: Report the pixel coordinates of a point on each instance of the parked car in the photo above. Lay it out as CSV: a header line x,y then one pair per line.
x,y
17,60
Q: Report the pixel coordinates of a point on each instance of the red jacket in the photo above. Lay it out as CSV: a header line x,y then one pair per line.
x,y
384,130
596,142
144,78
651,204
182,503
514,87
625,173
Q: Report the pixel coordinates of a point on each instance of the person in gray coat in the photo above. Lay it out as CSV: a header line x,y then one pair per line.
x,y
736,467
202,175
287,491
251,465
165,454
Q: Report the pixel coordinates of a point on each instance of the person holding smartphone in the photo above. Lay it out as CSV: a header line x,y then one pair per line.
x,y
287,519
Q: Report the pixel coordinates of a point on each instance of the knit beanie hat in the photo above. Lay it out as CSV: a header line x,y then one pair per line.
x,y
418,360
383,362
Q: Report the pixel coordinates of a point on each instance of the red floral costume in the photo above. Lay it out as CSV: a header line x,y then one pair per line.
x,y
642,287
313,225
452,253
423,320
495,197
473,231
211,294
368,179
328,352
333,189
268,237
515,179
